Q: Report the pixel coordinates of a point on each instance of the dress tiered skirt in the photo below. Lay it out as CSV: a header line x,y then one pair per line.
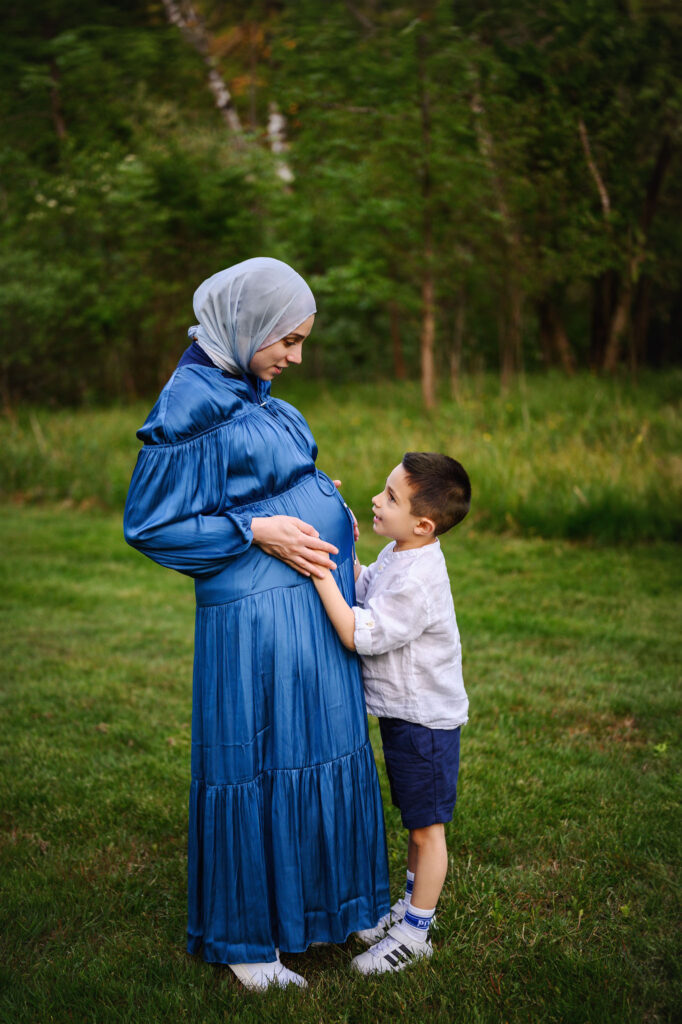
x,y
286,834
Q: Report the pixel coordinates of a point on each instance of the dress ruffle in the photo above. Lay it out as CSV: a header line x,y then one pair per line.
x,y
298,854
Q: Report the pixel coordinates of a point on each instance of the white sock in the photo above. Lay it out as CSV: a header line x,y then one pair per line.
x,y
416,922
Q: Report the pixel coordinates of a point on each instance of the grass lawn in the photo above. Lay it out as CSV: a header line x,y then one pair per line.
x,y
563,898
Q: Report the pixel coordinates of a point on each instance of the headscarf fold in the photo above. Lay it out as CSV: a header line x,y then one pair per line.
x,y
248,307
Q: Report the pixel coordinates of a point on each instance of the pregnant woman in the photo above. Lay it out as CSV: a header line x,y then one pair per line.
x,y
286,836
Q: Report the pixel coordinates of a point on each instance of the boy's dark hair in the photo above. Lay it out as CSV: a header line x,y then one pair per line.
x,y
440,488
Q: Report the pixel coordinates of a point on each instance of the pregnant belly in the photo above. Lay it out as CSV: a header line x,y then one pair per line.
x,y
255,571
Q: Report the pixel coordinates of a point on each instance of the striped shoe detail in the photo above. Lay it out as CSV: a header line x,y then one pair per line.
x,y
401,954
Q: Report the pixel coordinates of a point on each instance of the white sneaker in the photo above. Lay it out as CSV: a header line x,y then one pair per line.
x,y
395,915
395,952
261,976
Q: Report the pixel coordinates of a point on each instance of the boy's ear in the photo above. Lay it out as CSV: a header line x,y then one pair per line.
x,y
424,527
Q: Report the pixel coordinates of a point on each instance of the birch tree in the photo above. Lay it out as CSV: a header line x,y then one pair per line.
x,y
184,15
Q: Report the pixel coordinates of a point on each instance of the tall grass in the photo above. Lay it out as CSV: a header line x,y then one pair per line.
x,y
581,458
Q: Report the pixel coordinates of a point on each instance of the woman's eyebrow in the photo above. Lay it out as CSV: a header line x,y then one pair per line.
x,y
293,334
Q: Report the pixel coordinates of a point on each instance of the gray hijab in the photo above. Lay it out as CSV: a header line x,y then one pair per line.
x,y
248,307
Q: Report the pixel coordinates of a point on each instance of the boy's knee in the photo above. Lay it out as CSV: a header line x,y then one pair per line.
x,y
428,835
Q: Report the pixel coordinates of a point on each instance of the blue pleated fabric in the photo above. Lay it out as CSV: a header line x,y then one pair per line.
x,y
286,836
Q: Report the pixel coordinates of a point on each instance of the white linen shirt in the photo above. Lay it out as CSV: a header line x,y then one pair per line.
x,y
406,634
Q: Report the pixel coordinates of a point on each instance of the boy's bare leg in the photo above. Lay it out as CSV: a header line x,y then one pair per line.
x,y
427,856
412,853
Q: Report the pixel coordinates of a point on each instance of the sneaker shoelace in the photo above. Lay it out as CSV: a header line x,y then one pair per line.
x,y
385,945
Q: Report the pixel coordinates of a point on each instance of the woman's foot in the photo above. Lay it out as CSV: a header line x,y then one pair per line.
x,y
395,915
260,976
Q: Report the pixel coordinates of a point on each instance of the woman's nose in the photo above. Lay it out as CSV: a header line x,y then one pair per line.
x,y
295,355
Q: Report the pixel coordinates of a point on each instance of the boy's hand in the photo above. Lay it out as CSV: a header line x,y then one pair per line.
x,y
356,530
340,613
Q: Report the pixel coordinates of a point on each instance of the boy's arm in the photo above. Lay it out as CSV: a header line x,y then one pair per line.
x,y
340,613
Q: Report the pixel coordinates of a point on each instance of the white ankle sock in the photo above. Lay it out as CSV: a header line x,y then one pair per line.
x,y
416,922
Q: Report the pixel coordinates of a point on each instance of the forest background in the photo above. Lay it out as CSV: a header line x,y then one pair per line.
x,y
465,185
485,197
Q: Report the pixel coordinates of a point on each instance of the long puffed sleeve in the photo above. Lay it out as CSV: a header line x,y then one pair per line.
x,y
174,512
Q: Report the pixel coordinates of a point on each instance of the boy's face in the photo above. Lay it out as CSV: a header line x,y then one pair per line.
x,y
392,514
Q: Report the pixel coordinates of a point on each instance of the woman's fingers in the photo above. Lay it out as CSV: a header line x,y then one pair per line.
x,y
303,526
294,542
312,537
308,568
315,544
320,559
311,561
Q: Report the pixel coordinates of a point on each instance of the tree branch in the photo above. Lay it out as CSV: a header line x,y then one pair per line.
x,y
56,103
359,16
594,170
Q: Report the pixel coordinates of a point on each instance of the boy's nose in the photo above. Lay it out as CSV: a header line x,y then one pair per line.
x,y
375,499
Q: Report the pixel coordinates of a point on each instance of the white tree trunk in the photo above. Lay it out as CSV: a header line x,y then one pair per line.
x,y
278,144
185,16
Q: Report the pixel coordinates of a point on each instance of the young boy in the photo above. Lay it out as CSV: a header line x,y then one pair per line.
x,y
405,630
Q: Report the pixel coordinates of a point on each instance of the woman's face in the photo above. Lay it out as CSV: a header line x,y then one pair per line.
x,y
268,363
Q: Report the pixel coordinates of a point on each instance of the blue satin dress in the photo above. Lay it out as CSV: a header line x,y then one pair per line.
x,y
286,834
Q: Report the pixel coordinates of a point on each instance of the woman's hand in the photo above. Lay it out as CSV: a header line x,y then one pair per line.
x,y
294,542
356,531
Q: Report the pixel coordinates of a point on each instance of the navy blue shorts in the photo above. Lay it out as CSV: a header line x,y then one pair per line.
x,y
422,766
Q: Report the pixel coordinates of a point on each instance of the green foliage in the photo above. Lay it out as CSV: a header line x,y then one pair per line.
x,y
108,234
497,199
426,141
561,901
